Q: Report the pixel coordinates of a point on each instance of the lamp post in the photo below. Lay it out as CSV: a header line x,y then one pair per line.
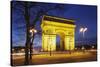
x,y
32,31
83,30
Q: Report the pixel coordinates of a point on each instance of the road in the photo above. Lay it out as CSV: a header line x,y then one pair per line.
x,y
57,57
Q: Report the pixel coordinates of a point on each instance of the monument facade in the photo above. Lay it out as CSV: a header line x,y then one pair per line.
x,y
55,26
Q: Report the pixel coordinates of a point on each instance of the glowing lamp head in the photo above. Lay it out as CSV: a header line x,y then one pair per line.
x,y
85,29
33,30
81,29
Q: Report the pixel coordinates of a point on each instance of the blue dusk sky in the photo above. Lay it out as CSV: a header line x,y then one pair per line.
x,y
84,15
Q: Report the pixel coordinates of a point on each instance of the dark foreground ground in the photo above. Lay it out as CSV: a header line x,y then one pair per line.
x,y
57,57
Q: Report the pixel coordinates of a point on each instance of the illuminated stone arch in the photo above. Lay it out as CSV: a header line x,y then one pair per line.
x,y
61,34
53,26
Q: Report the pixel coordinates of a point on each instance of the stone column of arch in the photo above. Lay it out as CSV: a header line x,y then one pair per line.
x,y
48,42
69,41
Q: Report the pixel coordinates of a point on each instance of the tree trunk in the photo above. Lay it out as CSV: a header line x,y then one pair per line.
x,y
27,34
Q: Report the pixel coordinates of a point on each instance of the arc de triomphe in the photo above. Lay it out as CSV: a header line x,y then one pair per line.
x,y
53,26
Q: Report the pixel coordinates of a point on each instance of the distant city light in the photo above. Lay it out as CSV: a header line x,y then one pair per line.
x,y
82,48
92,47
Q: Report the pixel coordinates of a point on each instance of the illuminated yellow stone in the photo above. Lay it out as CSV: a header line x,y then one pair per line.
x,y
53,26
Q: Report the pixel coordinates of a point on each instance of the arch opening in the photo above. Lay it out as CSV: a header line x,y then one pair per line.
x,y
57,42
60,42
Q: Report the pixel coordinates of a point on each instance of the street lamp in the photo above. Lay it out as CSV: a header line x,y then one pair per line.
x,y
32,31
83,30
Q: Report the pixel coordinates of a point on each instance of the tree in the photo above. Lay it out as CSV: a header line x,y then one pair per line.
x,y
37,10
